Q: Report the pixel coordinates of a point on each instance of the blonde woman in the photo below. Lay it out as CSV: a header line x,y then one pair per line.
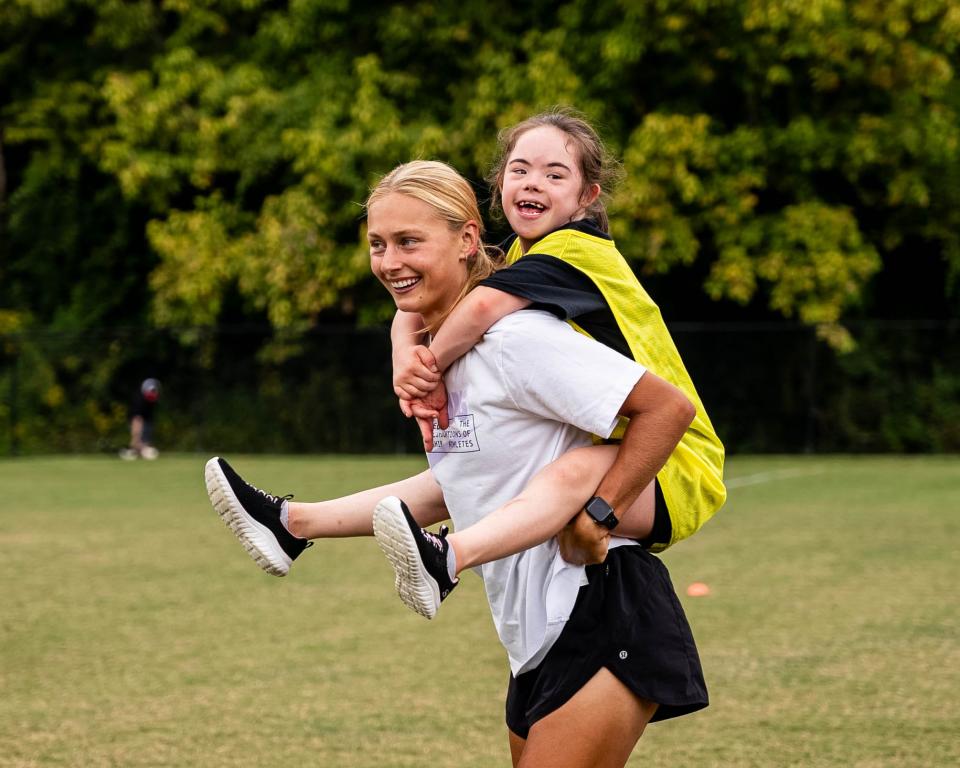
x,y
595,652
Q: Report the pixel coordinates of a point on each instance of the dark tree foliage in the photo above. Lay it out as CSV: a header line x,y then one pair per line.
x,y
186,163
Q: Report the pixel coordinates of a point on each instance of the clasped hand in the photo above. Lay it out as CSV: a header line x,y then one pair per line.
x,y
418,383
582,541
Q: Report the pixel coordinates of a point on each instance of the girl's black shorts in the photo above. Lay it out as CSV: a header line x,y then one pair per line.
x,y
629,620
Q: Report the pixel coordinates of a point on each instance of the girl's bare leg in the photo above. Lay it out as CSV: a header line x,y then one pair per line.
x,y
598,727
553,497
353,515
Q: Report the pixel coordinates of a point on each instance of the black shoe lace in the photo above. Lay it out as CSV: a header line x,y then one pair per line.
x,y
443,578
269,496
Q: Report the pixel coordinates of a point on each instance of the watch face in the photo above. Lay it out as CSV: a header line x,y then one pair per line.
x,y
602,512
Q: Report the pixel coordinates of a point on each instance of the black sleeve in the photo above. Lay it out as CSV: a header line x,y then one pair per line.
x,y
555,286
549,284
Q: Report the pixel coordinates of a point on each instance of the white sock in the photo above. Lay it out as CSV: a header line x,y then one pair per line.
x,y
452,563
285,516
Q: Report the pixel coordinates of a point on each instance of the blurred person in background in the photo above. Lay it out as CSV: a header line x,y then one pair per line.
x,y
141,415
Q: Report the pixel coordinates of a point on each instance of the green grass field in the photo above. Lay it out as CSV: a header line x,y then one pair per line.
x,y
134,631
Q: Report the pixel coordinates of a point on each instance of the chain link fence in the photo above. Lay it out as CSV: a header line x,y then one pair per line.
x,y
767,388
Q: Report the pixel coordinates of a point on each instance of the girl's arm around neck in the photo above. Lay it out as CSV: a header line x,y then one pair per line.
x,y
406,331
414,373
469,320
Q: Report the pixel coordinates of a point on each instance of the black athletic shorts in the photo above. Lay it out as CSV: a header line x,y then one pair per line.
x,y
629,620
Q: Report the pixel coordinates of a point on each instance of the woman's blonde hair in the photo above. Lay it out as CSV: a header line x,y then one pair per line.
x,y
453,200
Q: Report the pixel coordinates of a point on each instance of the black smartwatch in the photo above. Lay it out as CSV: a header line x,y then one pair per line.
x,y
601,512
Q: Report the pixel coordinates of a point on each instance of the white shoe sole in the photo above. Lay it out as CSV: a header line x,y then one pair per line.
x,y
259,542
417,588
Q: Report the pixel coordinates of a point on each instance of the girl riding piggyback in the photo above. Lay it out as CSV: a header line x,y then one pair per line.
x,y
549,183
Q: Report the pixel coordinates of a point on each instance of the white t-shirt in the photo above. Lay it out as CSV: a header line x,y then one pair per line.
x,y
530,391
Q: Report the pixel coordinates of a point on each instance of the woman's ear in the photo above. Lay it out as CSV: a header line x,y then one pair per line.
x,y
469,239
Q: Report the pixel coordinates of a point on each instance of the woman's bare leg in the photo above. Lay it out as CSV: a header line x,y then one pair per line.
x,y
598,727
516,747
552,498
353,515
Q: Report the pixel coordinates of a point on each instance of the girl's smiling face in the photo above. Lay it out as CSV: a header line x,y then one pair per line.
x,y
542,185
417,257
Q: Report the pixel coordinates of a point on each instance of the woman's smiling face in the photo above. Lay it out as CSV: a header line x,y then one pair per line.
x,y
415,254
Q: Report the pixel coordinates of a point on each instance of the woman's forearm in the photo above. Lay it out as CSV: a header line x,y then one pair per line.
x,y
659,415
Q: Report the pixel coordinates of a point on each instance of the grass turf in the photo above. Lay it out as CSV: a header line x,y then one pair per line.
x,y
134,631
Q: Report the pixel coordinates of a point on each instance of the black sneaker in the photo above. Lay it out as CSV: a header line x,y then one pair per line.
x,y
254,517
418,557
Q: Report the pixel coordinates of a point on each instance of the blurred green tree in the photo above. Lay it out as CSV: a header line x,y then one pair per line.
x,y
789,146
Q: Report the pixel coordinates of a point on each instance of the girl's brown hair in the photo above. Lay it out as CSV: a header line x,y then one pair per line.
x,y
597,165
